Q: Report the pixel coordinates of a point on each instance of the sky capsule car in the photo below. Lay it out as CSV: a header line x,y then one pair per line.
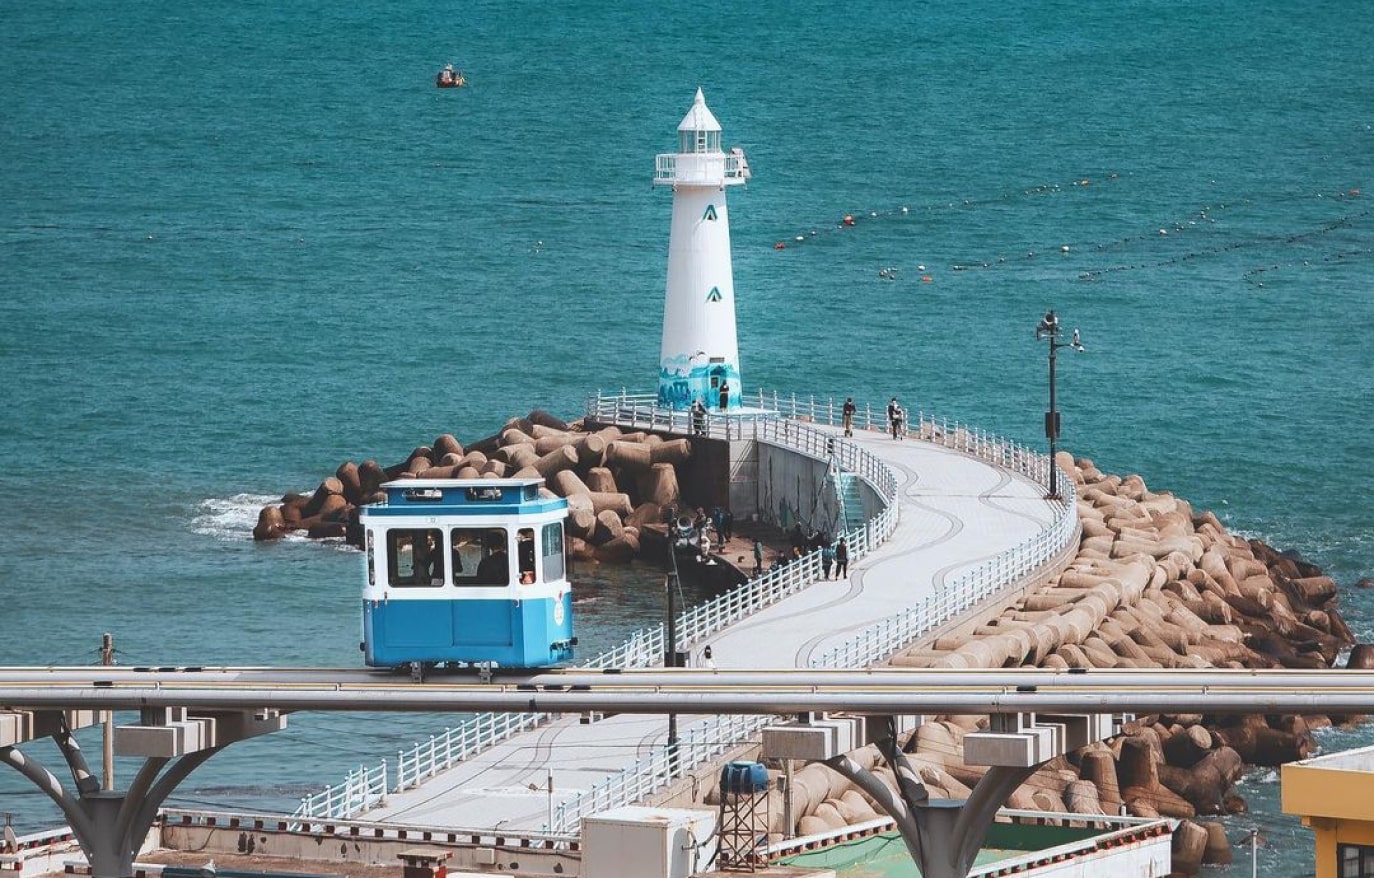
x,y
466,572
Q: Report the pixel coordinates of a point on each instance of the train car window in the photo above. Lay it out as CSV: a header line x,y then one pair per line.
x,y
371,561
524,554
479,556
413,557
485,494
554,565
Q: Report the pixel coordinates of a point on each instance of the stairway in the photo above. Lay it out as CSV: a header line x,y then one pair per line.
x,y
851,501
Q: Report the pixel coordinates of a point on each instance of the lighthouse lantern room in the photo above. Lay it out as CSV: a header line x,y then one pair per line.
x,y
699,358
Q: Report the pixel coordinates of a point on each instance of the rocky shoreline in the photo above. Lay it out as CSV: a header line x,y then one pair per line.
x,y
618,484
1153,585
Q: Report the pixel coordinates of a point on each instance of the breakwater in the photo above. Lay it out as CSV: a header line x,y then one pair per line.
x,y
1153,584
619,484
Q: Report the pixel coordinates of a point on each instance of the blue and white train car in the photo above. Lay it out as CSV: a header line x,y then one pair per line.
x,y
466,571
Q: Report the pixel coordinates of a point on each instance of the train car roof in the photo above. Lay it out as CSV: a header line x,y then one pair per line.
x,y
463,483
504,497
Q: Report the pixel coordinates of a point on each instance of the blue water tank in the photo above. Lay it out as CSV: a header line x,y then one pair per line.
x,y
738,778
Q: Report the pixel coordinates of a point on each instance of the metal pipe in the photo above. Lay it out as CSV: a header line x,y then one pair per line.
x,y
697,692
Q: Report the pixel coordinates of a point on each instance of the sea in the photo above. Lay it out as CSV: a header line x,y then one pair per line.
x,y
243,243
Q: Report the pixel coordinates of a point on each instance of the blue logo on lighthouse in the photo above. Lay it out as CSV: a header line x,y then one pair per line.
x,y
714,295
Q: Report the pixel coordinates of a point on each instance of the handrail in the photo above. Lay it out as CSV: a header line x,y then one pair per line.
x,y
700,744
886,637
880,640
782,420
360,790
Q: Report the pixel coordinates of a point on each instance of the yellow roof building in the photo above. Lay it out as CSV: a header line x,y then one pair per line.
x,y
1334,795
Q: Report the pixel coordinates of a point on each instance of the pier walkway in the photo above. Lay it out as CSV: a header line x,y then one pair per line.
x,y
971,521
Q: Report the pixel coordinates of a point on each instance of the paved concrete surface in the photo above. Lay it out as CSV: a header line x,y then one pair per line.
x,y
956,511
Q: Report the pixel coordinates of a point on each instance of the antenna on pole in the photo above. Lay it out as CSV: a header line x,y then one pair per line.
x,y
107,659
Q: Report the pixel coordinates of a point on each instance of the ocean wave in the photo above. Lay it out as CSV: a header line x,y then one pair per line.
x,y
230,518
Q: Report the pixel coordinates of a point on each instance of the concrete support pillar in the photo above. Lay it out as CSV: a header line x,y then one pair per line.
x,y
110,825
943,836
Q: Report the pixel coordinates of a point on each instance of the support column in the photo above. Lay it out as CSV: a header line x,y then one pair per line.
x,y
943,836
111,825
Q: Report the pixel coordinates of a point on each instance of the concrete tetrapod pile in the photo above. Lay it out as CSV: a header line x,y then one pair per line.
x,y
1153,586
616,483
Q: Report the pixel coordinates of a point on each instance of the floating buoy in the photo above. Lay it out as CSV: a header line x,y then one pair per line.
x,y
780,246
848,219
1064,249
904,210
920,268
1354,193
925,278
800,238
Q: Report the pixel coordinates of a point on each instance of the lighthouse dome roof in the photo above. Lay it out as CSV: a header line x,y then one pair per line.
x,y
699,118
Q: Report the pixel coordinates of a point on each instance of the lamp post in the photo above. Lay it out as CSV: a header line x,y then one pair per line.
x,y
1048,330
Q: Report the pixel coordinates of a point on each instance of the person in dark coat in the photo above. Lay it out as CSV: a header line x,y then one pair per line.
x,y
841,559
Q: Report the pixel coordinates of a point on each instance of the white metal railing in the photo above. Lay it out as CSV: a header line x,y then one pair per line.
x,y
779,414
458,744
360,790
779,419
778,422
884,638
700,744
645,647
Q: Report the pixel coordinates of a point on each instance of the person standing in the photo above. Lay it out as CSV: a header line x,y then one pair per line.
x,y
841,559
728,531
724,395
758,557
698,417
895,416
827,559
848,411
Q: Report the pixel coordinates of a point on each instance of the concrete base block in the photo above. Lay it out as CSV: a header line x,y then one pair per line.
x,y
814,742
170,740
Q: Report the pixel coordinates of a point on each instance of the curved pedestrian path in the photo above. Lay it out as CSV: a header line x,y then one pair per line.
x,y
956,513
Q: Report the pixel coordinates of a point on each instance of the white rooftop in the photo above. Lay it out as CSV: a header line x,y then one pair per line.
x,y
699,118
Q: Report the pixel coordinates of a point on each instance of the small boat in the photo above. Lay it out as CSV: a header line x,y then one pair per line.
x,y
450,78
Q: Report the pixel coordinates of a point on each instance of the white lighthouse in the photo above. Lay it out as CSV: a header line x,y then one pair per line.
x,y
700,354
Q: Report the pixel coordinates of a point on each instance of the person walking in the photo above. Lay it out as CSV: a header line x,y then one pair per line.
x,y
895,416
841,559
724,395
827,559
848,412
758,557
728,520
698,417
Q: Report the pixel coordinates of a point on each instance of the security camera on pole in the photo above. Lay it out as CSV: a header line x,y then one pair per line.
x,y
699,358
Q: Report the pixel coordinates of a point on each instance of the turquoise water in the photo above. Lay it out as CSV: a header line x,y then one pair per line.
x,y
243,243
